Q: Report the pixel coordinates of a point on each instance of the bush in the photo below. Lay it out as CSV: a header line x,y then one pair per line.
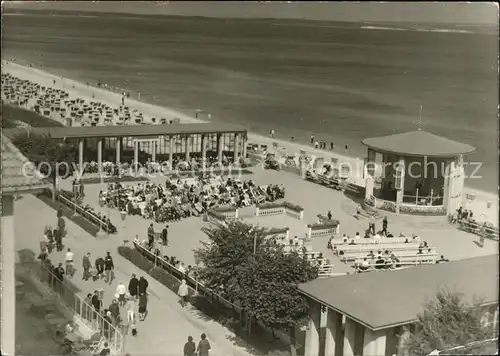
x,y
270,205
166,279
215,214
293,207
333,223
136,258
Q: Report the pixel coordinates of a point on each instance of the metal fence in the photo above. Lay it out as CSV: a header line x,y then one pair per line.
x,y
65,292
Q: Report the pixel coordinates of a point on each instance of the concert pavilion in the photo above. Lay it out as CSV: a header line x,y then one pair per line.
x,y
415,173
154,143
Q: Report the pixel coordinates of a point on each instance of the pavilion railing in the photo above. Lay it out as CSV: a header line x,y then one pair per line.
x,y
429,200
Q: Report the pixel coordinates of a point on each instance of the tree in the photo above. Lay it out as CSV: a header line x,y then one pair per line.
x,y
262,283
53,157
447,321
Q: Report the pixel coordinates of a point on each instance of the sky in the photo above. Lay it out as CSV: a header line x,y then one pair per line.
x,y
416,12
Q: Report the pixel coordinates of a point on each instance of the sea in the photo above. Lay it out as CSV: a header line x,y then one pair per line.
x,y
341,82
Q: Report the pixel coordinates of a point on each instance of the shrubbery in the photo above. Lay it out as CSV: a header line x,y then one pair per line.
x,y
136,258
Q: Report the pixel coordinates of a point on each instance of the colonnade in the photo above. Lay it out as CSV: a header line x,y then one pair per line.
x,y
239,148
342,335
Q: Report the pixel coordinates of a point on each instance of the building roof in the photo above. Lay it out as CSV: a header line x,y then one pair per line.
x,y
15,177
384,299
133,130
418,143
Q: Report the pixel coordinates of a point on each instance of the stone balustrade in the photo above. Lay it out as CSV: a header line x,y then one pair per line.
x,y
326,229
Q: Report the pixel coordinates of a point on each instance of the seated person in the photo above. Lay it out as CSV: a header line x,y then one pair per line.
x,y
377,236
406,241
371,254
344,238
379,263
329,215
420,252
442,259
352,242
364,265
357,236
390,235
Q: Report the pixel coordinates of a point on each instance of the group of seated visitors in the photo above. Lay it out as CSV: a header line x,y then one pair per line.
x,y
95,217
356,240
177,200
462,215
155,249
385,260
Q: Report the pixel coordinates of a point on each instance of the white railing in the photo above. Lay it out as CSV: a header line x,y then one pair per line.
x,y
79,308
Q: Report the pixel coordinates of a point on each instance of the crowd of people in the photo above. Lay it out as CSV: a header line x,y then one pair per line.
x,y
179,199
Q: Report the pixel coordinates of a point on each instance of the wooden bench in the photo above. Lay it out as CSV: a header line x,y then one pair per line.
x,y
377,247
353,255
372,241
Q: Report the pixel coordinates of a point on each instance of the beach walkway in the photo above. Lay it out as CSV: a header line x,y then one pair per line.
x,y
167,326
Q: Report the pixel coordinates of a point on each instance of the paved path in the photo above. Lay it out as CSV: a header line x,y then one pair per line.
x,y
167,326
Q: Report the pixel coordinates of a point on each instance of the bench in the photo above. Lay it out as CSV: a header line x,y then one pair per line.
x,y
372,241
353,255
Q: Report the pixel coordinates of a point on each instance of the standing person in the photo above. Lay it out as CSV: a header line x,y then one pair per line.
x,y
133,286
384,225
271,133
143,304
151,236
130,307
59,277
87,307
189,347
109,267
59,213
143,285
133,327
68,259
99,266
121,290
203,346
312,139
96,303
114,308
87,265
183,292
371,225
164,236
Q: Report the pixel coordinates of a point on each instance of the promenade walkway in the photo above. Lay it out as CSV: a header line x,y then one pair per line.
x,y
167,326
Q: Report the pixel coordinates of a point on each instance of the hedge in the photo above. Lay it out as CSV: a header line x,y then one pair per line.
x,y
285,205
215,214
320,226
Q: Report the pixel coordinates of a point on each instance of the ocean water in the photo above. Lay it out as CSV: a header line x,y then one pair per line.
x,y
342,82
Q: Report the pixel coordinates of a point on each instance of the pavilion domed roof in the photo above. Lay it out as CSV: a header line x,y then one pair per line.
x,y
418,143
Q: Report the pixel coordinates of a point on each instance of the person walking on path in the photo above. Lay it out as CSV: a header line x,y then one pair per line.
x,y
203,346
109,267
183,293
143,304
114,308
99,266
151,236
189,347
68,259
120,291
58,239
143,285
133,286
87,265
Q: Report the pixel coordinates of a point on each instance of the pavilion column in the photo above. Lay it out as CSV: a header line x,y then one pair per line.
x,y
153,153
244,153
187,148
80,154
401,187
203,151
333,331
220,145
8,261
236,147
312,333
99,155
136,156
374,342
119,144
349,336
171,152
446,187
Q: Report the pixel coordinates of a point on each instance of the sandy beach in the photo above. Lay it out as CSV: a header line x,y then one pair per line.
x,y
478,204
